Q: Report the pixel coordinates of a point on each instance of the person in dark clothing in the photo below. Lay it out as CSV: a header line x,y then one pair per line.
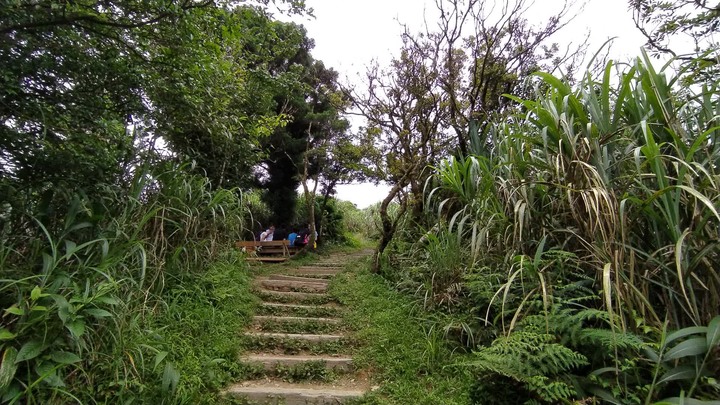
x,y
302,238
280,233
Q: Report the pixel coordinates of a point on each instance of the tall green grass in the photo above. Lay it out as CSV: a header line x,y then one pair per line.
x,y
81,293
602,196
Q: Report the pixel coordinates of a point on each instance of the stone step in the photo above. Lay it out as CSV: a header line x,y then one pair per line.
x,y
293,297
271,394
260,318
343,258
266,259
286,277
318,267
271,362
336,264
310,271
298,309
295,336
285,285
317,276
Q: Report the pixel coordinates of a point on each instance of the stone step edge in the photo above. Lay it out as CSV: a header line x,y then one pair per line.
x,y
270,278
297,336
332,269
295,319
301,306
272,361
286,277
297,293
294,395
291,284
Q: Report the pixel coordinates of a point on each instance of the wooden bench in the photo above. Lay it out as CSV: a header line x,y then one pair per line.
x,y
268,251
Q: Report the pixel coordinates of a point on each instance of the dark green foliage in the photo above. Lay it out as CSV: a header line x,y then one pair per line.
x,y
533,360
198,331
585,230
93,287
498,389
307,95
330,220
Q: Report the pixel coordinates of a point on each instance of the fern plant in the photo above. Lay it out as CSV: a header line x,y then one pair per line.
x,y
534,361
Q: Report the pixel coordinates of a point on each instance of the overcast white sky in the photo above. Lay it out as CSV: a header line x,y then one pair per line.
x,y
349,34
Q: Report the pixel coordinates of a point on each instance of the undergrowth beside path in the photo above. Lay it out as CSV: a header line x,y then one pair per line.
x,y
201,325
408,363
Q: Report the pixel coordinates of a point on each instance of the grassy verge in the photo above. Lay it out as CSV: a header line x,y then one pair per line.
x,y
200,331
408,363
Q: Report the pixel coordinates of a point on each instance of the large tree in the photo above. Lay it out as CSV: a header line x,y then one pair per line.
x,y
310,102
77,77
219,110
437,96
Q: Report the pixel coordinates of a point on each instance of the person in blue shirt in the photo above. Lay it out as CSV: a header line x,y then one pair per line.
x,y
293,235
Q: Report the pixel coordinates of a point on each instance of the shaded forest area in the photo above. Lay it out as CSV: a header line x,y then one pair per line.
x,y
138,141
555,225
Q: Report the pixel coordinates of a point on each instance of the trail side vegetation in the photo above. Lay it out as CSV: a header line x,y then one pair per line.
x,y
559,228
138,142
551,234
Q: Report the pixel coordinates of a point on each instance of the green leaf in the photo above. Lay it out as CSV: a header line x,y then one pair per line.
x,y
29,351
8,367
70,248
702,198
64,308
35,293
713,333
6,334
685,401
98,313
654,357
65,357
604,370
107,300
690,347
76,327
605,395
159,358
48,374
678,373
15,310
170,379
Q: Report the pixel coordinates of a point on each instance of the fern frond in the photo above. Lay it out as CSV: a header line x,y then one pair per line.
x,y
610,340
551,391
525,354
533,359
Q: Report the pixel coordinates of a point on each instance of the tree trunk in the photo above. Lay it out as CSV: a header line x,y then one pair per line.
x,y
323,206
309,196
388,225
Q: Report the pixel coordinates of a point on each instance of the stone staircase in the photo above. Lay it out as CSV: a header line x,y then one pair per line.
x,y
299,351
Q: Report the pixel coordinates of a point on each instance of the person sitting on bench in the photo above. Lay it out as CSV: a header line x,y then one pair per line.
x,y
302,238
293,236
267,236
